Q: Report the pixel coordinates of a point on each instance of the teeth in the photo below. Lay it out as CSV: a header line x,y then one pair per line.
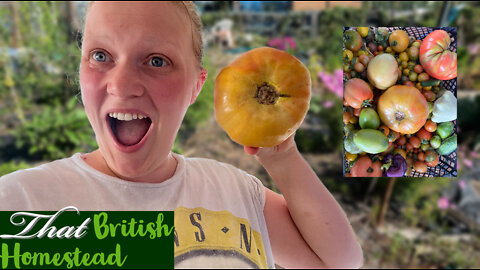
x,y
126,116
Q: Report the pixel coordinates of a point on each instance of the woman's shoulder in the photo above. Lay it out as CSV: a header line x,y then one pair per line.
x,y
33,187
208,165
220,173
47,170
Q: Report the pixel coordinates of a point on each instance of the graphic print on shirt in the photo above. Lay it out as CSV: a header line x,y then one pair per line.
x,y
216,238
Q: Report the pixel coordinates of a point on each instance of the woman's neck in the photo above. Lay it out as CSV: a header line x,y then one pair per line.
x,y
96,160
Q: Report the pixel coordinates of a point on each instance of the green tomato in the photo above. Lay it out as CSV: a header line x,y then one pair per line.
x,y
369,119
425,146
435,141
445,129
353,40
371,141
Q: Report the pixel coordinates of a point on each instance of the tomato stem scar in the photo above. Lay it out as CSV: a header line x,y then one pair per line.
x,y
399,116
267,94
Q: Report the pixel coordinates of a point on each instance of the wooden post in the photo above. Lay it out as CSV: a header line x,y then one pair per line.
x,y
16,41
385,201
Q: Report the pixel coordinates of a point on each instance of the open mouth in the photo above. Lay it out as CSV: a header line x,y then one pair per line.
x,y
128,128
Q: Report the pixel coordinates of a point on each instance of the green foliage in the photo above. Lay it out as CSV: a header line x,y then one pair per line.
x,y
56,132
418,198
329,42
202,109
324,133
41,61
9,167
44,58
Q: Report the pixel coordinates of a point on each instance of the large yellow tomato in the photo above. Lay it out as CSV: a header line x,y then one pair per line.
x,y
403,109
398,41
262,97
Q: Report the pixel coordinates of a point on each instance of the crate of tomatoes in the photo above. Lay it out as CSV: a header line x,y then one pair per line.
x,y
400,101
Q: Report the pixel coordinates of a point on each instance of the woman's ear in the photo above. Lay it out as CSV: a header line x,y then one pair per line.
x,y
198,86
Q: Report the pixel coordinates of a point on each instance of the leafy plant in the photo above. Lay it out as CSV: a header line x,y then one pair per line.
x,y
56,132
202,109
9,167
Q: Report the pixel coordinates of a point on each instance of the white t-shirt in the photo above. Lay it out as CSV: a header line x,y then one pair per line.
x,y
218,208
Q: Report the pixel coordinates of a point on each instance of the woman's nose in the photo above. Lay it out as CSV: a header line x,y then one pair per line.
x,y
124,81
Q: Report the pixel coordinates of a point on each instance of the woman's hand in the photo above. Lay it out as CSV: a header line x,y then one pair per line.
x,y
278,151
306,226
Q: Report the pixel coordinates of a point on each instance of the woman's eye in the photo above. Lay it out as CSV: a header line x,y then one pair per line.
x,y
158,62
100,56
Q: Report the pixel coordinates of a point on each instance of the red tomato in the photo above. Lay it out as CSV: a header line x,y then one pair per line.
x,y
421,156
430,126
364,167
409,147
436,58
356,92
424,135
431,158
401,141
415,142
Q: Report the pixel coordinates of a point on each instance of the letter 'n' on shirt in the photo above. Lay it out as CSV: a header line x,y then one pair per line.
x,y
202,235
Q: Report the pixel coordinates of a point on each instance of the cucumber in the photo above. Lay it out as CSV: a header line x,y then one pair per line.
x,y
448,145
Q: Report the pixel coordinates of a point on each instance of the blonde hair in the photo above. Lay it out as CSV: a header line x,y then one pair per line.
x,y
195,23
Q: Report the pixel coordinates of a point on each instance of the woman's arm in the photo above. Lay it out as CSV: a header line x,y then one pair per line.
x,y
307,227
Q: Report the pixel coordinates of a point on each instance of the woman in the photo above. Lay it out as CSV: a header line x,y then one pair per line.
x,y
140,70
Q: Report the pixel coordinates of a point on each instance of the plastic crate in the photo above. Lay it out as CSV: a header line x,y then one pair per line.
x,y
447,166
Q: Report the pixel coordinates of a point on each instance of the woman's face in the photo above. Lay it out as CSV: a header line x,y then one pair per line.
x,y
138,76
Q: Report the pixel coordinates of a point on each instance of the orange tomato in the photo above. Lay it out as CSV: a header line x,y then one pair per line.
x,y
393,136
431,158
364,167
403,109
421,156
384,129
415,142
262,97
430,126
420,166
356,92
347,117
399,40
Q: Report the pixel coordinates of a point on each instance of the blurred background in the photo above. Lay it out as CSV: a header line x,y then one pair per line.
x,y
407,223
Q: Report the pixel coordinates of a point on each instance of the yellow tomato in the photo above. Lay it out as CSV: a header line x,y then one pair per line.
x,y
403,56
347,55
399,40
262,97
400,152
363,31
350,157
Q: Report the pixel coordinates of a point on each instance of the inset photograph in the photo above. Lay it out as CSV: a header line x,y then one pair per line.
x,y
400,101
